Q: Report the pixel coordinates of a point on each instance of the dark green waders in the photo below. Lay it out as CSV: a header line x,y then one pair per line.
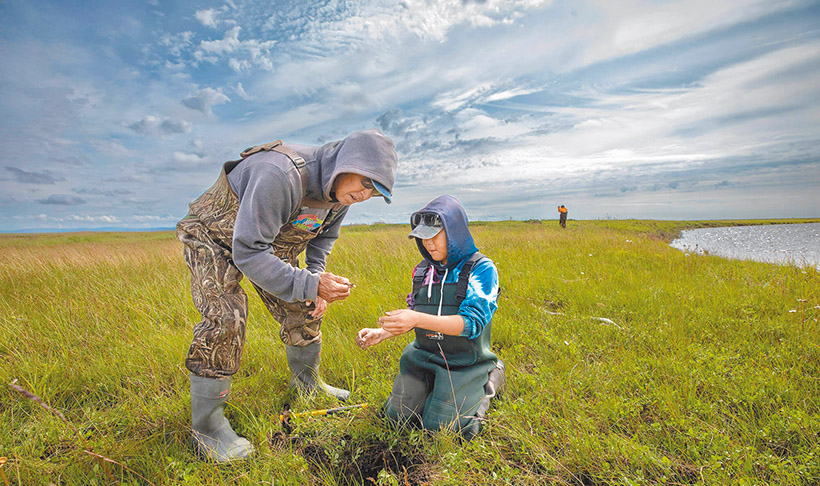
x,y
441,381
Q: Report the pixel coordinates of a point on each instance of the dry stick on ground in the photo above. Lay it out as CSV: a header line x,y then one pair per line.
x,y
2,473
40,402
17,461
43,404
607,321
101,459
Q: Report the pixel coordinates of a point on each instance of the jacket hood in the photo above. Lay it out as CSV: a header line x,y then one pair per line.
x,y
460,244
368,153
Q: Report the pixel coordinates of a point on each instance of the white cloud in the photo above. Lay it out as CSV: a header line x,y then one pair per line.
x,y
388,50
33,177
178,43
454,100
87,218
738,120
159,127
293,120
146,218
208,17
204,99
182,159
228,44
38,217
111,147
510,93
434,19
736,110
95,191
239,64
474,124
633,25
241,54
62,200
240,91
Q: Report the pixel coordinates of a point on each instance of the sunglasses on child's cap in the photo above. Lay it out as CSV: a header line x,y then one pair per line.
x,y
426,219
425,225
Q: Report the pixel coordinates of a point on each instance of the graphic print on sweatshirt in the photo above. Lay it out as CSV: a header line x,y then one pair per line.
x,y
310,219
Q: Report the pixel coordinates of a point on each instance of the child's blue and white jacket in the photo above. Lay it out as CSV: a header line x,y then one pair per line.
x,y
481,302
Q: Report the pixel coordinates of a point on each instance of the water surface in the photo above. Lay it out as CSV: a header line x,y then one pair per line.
x,y
797,244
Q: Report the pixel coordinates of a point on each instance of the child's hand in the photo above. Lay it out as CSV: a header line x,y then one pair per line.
x,y
371,336
398,321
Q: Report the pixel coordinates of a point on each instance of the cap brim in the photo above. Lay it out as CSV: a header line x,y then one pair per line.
x,y
383,192
424,232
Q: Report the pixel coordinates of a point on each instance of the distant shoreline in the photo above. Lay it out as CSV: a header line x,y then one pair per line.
x,y
696,223
794,244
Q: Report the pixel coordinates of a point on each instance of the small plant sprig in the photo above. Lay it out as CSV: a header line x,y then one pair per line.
x,y
87,448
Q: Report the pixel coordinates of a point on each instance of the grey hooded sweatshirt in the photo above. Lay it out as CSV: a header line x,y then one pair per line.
x,y
270,191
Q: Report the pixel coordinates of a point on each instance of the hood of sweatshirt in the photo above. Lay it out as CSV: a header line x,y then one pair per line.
x,y
368,153
460,244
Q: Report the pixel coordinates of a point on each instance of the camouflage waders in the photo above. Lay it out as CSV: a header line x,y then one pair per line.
x,y
207,235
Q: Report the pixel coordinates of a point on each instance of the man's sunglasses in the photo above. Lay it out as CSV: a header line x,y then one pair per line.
x,y
427,219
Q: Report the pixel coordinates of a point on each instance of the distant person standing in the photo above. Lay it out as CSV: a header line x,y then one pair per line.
x,y
562,216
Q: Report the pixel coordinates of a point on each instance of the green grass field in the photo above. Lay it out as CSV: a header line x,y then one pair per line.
x,y
706,372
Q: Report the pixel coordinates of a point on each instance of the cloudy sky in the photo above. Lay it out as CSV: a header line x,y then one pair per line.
x,y
117,114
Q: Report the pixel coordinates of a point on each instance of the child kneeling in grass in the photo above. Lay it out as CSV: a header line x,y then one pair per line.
x,y
448,375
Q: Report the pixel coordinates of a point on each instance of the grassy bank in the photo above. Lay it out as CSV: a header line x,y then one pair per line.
x,y
703,370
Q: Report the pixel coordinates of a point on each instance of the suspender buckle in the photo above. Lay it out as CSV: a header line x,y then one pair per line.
x,y
265,147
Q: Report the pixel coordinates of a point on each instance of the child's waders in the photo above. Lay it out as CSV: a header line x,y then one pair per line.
x,y
447,372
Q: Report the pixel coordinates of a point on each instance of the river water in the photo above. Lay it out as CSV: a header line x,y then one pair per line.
x,y
797,244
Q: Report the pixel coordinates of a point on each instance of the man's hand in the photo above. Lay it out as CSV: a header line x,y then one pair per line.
x,y
321,307
333,287
370,336
399,321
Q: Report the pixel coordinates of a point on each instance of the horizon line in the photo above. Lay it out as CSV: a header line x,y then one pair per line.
x,y
111,229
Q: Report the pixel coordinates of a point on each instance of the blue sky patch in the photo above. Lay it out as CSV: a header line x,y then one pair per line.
x,y
119,114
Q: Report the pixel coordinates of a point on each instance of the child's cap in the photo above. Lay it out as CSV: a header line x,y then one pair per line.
x,y
425,225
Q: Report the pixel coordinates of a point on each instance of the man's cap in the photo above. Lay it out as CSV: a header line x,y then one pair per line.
x,y
382,191
425,232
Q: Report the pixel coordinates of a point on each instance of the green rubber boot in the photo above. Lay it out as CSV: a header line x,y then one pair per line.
x,y
496,383
213,436
304,369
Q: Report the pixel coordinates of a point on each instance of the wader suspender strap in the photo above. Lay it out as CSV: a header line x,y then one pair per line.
x,y
277,146
297,160
463,277
299,163
418,275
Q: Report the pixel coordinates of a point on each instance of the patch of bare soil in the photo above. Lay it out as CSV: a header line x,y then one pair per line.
x,y
359,460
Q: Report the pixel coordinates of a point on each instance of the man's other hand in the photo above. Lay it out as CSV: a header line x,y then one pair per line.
x,y
321,307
